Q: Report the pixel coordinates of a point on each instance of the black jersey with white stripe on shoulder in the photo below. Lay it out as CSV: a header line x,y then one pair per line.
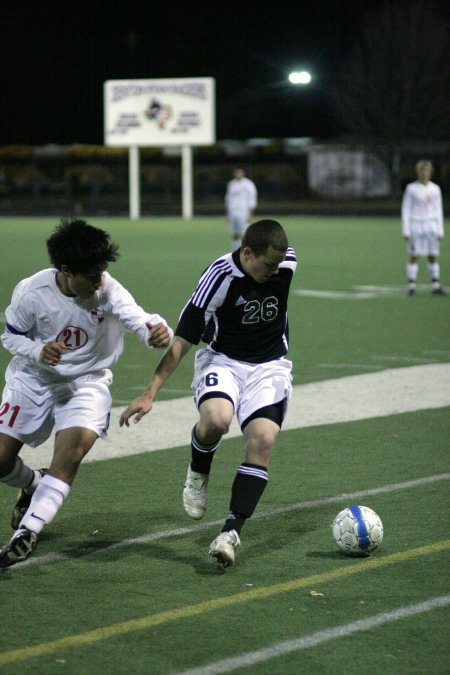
x,y
238,316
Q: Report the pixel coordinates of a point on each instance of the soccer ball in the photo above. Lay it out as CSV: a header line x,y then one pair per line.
x,y
357,530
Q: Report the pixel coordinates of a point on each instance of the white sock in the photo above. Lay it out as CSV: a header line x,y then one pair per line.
x,y
411,272
45,503
434,272
21,475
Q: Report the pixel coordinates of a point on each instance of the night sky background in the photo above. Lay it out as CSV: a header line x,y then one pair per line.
x,y
55,56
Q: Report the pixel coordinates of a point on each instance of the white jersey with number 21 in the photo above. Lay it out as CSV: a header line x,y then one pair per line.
x,y
91,330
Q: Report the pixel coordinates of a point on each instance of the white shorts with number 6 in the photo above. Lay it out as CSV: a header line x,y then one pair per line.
x,y
249,386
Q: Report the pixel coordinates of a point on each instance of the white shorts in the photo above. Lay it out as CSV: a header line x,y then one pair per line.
x,y
250,387
423,239
238,224
30,418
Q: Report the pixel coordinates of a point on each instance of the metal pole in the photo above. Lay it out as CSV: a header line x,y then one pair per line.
x,y
186,177
134,182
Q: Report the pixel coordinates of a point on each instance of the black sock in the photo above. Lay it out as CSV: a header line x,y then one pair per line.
x,y
248,486
202,455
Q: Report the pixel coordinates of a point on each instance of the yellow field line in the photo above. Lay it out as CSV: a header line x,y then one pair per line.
x,y
106,632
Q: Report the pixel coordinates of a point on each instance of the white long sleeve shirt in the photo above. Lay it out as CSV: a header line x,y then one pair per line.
x,y
422,203
241,196
91,329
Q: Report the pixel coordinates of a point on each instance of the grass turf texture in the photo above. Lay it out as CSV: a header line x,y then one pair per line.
x,y
162,259
121,499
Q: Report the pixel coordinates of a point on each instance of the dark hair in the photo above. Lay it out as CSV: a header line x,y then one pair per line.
x,y
80,246
264,233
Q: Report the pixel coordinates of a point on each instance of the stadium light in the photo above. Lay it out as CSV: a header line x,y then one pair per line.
x,y
300,77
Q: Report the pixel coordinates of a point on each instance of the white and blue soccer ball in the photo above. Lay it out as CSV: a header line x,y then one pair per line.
x,y
357,530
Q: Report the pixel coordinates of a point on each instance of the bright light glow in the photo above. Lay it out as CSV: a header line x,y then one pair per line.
x,y
300,77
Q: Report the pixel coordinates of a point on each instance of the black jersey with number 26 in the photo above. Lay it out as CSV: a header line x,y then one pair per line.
x,y
238,316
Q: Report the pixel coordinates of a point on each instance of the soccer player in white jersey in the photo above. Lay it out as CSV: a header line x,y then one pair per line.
x,y
239,309
240,203
423,226
65,328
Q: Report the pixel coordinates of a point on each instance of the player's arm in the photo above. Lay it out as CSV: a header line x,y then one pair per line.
x,y
440,215
51,353
254,197
18,344
228,200
20,322
406,213
160,334
167,365
151,329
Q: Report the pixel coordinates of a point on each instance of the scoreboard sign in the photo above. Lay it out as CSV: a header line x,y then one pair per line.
x,y
159,112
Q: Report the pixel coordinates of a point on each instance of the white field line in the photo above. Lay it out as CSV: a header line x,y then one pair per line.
x,y
317,638
362,292
346,399
344,498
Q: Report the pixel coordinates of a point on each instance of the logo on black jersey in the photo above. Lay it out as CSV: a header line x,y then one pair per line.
x,y
240,301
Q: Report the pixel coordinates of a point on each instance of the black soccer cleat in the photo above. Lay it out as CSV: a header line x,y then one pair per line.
x,y
438,291
22,544
22,503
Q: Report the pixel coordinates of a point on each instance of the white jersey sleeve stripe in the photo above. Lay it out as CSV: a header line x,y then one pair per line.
x,y
209,282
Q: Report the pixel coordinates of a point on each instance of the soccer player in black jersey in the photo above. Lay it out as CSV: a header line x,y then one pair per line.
x,y
239,309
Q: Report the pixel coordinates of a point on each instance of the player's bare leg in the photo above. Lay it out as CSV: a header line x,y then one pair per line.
x,y
248,486
215,419
71,445
15,473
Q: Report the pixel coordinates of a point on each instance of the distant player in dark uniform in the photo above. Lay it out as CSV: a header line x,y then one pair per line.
x,y
239,309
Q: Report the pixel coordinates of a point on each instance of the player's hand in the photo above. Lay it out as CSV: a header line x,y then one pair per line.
x,y
51,353
160,335
139,407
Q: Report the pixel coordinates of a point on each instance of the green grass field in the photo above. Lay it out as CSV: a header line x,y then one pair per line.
x,y
121,582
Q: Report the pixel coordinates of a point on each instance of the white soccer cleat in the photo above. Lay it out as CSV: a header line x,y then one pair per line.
x,y
223,548
195,494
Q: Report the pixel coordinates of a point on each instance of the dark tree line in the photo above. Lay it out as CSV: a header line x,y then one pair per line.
x,y
393,86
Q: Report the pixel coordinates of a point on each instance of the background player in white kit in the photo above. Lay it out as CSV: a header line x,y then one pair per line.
x,y
240,202
65,328
239,309
423,226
